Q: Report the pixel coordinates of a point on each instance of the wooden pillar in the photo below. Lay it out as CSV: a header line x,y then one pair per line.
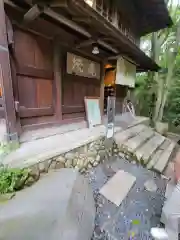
x,y
102,88
58,79
6,79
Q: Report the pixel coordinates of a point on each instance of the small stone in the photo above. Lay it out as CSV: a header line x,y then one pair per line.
x,y
69,156
164,177
74,161
92,154
68,163
83,170
59,165
30,181
61,159
102,154
91,160
42,167
52,165
89,166
34,172
95,164
85,149
121,154
98,158
150,186
91,145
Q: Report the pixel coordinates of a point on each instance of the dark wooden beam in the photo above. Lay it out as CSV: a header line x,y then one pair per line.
x,y
59,3
71,24
82,19
57,84
85,43
32,14
113,57
6,78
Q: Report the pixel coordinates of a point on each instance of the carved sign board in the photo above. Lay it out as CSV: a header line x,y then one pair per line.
x,y
82,67
125,73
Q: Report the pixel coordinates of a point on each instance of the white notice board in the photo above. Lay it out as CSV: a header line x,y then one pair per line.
x,y
93,112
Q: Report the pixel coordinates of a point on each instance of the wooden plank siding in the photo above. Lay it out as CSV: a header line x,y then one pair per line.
x,y
75,88
6,78
35,78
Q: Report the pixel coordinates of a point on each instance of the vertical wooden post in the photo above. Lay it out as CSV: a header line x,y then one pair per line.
x,y
6,79
102,88
58,79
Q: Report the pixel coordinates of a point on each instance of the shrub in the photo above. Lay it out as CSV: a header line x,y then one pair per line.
x,y
12,180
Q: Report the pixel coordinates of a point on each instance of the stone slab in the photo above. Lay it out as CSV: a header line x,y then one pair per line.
x,y
146,150
59,206
158,154
163,160
136,141
116,189
121,137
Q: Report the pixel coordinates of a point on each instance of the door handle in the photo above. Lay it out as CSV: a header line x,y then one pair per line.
x,y
16,104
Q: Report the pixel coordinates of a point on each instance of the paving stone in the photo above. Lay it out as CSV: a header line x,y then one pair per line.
x,y
116,189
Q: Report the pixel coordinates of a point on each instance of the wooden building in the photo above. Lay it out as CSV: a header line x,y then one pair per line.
x,y
53,52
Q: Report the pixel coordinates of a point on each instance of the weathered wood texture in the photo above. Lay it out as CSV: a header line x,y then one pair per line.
x,y
57,59
34,70
5,77
74,89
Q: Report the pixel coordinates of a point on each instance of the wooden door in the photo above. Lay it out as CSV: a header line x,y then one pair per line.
x,y
75,88
34,78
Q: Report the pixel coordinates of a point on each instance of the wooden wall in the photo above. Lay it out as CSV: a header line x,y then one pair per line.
x,y
47,94
75,88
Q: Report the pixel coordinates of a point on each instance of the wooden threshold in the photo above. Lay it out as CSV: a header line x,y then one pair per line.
x,y
35,112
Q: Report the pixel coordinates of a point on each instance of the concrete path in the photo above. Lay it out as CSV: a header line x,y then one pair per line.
x,y
140,209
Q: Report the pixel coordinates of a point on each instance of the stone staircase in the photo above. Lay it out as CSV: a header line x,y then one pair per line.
x,y
146,146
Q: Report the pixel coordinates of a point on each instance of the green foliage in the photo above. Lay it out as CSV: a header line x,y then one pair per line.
x,y
12,180
159,93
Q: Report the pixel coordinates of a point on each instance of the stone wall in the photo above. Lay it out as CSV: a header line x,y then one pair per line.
x,y
82,158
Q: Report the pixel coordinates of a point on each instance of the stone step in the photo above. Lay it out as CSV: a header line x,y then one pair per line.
x,y
158,153
123,136
147,149
133,143
164,158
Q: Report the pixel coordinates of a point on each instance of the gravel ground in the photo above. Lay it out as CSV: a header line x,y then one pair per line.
x,y
139,211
